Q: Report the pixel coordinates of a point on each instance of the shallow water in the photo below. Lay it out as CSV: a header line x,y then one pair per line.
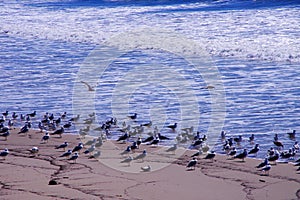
x,y
255,48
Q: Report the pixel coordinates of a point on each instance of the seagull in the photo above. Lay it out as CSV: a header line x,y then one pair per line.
x,y
90,142
292,134
192,164
127,160
5,114
133,117
62,146
139,142
238,139
63,116
155,141
242,155
78,147
266,169
148,139
14,115
172,149
274,157
146,168
90,88
141,156
123,137
31,114
66,154
67,125
34,150
197,142
95,155
198,153
5,135
59,132
232,152
74,119
162,137
278,143
46,137
90,150
134,146
254,150
296,146
262,164
4,153
74,157
99,143
172,126
149,124
24,129
126,151
210,155
251,138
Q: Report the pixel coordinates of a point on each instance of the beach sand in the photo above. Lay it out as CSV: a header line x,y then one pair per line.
x,y
26,176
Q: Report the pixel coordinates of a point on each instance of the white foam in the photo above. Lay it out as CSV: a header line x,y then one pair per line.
x,y
266,34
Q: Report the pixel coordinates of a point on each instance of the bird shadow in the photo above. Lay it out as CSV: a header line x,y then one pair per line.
x,y
190,169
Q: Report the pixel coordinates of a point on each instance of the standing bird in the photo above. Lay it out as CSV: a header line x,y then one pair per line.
x,y
242,155
172,149
139,142
127,160
45,138
74,157
126,151
95,155
133,117
24,129
78,147
238,139
262,164
141,156
192,164
251,138
197,154
5,135
266,169
148,139
254,150
123,137
4,153
31,114
278,144
59,132
155,141
62,146
66,154
146,168
34,150
292,134
274,157
232,152
210,155
89,150
172,126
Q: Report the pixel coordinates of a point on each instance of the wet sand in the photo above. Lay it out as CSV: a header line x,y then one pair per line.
x,y
24,175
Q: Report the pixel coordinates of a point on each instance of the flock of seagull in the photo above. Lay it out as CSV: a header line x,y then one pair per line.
x,y
273,154
52,125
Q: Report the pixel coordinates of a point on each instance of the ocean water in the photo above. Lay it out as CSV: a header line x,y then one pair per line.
x,y
254,45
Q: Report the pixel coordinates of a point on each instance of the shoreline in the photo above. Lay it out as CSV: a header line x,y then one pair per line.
x,y
26,176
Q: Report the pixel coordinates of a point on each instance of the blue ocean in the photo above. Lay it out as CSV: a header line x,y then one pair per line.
x,y
253,47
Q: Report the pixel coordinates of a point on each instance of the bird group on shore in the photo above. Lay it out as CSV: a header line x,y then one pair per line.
x,y
136,134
